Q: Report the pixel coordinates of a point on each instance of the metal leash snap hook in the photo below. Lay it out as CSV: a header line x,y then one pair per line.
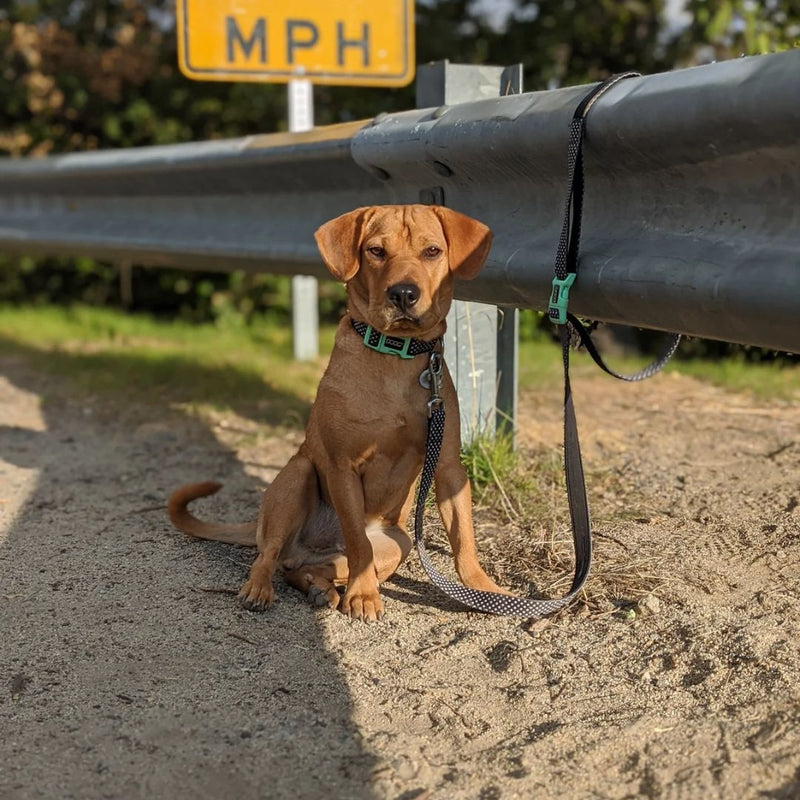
x,y
433,372
431,379
436,365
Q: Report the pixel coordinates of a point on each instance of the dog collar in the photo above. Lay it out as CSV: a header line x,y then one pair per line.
x,y
404,347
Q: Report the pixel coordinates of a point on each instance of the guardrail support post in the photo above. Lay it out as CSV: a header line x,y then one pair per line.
x,y
507,370
481,340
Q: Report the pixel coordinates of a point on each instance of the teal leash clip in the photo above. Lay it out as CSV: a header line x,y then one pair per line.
x,y
559,298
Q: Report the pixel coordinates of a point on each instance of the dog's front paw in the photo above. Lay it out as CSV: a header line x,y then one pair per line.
x,y
255,596
362,604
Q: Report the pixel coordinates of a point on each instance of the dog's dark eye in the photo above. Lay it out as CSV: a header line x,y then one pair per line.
x,y
432,251
378,252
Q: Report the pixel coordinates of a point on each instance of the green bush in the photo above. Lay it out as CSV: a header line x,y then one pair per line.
x,y
195,296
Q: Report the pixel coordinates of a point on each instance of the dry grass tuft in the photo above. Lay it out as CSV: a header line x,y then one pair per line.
x,y
524,534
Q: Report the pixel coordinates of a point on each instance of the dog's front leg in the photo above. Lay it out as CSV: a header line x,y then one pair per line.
x,y
361,599
454,498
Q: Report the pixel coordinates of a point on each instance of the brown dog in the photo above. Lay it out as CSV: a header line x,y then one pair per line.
x,y
336,514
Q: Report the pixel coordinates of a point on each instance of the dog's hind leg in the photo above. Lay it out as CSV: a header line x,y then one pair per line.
x,y
287,504
390,546
319,581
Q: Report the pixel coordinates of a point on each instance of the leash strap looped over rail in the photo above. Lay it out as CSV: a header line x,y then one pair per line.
x,y
566,266
565,273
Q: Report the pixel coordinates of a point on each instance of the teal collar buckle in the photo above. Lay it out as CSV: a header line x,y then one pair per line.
x,y
401,346
390,345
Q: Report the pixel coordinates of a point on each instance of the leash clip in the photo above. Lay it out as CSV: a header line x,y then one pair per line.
x,y
559,299
431,378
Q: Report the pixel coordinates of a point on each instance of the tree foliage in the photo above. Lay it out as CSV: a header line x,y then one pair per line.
x,y
722,29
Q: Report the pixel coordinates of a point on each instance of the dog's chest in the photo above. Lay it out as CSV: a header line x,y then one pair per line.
x,y
389,470
382,442
389,433
377,427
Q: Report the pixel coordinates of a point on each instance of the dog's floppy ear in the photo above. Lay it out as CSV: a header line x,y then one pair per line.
x,y
339,242
468,241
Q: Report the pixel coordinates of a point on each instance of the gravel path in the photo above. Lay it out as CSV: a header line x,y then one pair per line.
x,y
128,671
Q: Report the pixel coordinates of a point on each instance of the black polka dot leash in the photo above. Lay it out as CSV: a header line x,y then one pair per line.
x,y
493,602
566,268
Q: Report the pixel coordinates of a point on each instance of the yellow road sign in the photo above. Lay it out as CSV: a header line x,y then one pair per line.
x,y
349,42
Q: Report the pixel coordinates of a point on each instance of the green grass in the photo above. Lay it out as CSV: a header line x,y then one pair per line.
x,y
502,478
776,381
109,353
540,363
106,353
493,466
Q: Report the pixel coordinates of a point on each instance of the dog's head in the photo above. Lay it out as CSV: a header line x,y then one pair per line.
x,y
399,263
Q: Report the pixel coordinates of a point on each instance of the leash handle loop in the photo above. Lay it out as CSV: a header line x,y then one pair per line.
x,y
478,599
569,240
567,253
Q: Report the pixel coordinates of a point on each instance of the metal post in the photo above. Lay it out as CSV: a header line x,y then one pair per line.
x,y
507,369
305,306
481,340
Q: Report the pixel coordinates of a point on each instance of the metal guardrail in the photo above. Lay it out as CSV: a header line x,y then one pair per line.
x,y
691,217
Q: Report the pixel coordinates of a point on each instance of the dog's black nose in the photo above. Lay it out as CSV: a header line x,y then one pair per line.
x,y
403,295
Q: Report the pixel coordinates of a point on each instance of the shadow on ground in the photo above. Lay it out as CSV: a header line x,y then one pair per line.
x,y
166,380
126,670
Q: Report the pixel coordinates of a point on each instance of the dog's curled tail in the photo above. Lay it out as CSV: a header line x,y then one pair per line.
x,y
185,521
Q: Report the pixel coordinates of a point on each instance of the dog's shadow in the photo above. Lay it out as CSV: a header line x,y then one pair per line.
x,y
418,592
126,669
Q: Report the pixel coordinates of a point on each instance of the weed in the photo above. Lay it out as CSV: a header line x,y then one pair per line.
x,y
492,464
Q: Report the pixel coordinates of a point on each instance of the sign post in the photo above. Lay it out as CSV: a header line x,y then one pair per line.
x,y
483,337
305,295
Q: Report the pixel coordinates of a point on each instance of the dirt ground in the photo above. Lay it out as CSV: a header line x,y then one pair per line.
x,y
128,671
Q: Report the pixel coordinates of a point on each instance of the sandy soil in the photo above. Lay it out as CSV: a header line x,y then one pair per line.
x,y
127,671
